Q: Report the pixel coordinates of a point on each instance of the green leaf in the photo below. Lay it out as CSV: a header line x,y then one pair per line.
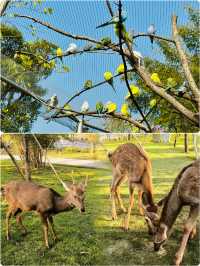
x,y
65,68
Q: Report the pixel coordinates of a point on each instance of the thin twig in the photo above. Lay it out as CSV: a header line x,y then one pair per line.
x,y
154,36
114,115
125,68
109,8
76,37
94,86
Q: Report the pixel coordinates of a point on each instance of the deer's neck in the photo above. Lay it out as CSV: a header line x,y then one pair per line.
x,y
63,204
171,209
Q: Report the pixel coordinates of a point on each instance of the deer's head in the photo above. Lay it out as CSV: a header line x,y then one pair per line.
x,y
156,228
150,213
76,194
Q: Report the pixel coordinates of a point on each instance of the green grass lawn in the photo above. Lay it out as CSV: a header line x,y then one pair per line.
x,y
146,141
93,238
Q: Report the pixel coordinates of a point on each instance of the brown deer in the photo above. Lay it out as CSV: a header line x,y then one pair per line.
x,y
28,196
131,162
184,192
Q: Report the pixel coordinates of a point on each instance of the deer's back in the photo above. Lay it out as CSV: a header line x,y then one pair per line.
x,y
28,196
129,158
188,187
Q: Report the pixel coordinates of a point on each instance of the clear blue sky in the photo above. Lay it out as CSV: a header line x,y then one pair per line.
x,y
82,17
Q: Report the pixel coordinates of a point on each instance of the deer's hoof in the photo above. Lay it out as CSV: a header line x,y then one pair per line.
x,y
47,245
141,212
126,228
177,261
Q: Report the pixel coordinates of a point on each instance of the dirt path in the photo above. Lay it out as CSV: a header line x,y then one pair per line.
x,y
74,162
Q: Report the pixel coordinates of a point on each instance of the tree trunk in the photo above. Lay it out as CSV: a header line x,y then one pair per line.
x,y
3,145
26,157
184,62
93,147
175,140
196,138
185,142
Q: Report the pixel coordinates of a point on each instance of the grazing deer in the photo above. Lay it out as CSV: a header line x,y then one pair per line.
x,y
131,162
28,196
184,192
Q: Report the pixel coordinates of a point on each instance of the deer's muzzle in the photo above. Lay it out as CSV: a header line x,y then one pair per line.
x,y
157,245
83,209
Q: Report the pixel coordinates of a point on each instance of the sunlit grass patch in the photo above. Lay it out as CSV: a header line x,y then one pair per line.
x,y
94,238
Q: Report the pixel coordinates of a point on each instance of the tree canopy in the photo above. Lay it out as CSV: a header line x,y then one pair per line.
x,y
158,92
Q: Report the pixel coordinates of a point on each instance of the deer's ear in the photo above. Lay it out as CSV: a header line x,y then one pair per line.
x,y
152,208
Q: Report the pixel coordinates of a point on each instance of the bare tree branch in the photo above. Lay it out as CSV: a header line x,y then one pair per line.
x,y
94,86
125,68
76,37
130,120
160,91
154,36
95,127
72,115
65,54
49,26
108,115
184,62
109,8
3,6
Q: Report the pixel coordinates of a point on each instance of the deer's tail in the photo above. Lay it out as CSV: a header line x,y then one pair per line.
x,y
110,155
2,192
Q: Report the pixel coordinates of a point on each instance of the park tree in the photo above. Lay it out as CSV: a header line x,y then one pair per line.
x,y
169,89
26,147
171,74
19,110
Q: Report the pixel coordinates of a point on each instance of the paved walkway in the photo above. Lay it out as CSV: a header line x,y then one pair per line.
x,y
74,162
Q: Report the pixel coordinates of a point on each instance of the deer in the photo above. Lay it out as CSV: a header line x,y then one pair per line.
x,y
184,192
131,162
24,196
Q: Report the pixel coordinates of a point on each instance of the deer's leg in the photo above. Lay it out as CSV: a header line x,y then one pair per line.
x,y
119,199
140,202
51,225
131,202
8,216
114,212
115,182
45,229
189,225
19,221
